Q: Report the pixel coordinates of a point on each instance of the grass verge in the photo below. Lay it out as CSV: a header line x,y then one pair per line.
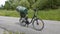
x,y
43,14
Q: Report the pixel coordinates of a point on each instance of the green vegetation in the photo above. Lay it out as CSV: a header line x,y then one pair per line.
x,y
40,4
46,8
47,14
9,32
50,14
9,13
43,14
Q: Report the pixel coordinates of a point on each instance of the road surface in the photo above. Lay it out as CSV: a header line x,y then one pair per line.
x,y
12,24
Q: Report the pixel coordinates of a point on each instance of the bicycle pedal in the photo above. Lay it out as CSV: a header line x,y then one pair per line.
x,y
37,24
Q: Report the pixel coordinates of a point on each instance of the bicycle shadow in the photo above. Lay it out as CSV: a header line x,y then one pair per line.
x,y
29,26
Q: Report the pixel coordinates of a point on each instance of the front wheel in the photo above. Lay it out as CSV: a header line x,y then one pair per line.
x,y
38,24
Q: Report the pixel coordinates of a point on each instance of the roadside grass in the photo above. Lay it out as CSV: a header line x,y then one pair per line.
x,y
12,13
43,14
50,14
9,32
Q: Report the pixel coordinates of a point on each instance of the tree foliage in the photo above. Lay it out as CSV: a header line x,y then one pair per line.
x,y
24,3
40,4
7,5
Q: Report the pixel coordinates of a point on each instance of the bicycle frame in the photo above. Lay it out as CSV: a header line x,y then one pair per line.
x,y
34,16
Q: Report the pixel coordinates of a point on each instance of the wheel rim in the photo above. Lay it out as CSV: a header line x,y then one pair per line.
x,y
38,26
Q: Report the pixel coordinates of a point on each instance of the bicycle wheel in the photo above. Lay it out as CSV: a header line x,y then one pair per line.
x,y
38,24
22,22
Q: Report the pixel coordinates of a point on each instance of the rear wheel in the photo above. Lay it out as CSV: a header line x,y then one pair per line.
x,y
38,24
22,22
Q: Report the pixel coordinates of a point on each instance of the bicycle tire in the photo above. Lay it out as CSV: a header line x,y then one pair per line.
x,y
35,27
22,22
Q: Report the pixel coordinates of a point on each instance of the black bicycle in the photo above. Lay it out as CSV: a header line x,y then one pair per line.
x,y
37,23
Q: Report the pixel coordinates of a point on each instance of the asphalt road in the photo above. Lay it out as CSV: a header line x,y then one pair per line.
x,y
12,24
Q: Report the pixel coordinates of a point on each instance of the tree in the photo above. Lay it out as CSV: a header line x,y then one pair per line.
x,y
40,4
25,3
11,4
7,5
32,2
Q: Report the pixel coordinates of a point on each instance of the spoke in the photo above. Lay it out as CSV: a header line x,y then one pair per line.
x,y
38,24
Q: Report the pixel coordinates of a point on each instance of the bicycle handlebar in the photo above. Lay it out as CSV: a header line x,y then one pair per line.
x,y
35,9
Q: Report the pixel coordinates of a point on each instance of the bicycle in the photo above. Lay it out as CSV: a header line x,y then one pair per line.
x,y
37,23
